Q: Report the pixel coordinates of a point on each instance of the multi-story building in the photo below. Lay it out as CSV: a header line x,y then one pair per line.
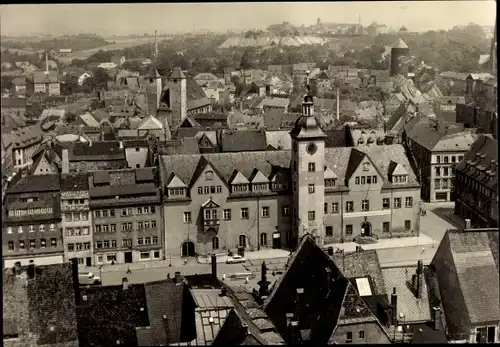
x,y
126,215
216,202
47,82
76,219
90,156
436,148
476,183
26,142
31,222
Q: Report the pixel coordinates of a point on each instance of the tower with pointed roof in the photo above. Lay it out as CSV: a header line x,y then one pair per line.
x,y
400,52
307,167
177,96
155,79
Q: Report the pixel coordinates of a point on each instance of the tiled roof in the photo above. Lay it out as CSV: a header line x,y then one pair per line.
x,y
241,141
337,159
36,183
415,310
487,146
97,151
110,314
279,139
275,102
89,120
187,145
74,182
273,119
335,138
126,190
27,136
177,73
42,310
11,121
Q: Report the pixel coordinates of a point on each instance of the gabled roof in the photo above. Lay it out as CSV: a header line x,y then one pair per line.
x,y
74,182
238,178
36,183
175,182
400,44
150,123
210,203
474,284
329,173
258,177
397,169
243,140
27,136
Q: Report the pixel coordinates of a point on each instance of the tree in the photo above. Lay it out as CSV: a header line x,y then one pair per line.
x,y
100,79
248,61
133,65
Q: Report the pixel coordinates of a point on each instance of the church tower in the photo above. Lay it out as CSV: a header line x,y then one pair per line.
x,y
308,167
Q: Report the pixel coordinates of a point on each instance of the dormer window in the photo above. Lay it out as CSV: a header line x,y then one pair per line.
x,y
399,179
260,187
240,188
209,175
330,182
175,192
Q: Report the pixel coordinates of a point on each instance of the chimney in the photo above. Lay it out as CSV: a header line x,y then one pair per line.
x,y
65,161
467,224
394,304
436,318
328,273
76,281
214,267
178,277
125,283
31,271
420,279
46,63
120,143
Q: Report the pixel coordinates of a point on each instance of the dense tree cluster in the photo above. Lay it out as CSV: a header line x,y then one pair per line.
x,y
75,42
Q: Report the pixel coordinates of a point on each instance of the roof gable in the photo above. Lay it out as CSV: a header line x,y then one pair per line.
x,y
397,169
238,178
329,174
150,123
258,177
210,203
176,182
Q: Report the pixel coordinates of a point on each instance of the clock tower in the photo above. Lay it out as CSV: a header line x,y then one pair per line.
x,y
308,167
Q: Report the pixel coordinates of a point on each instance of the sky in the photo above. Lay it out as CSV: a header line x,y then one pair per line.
x,y
135,18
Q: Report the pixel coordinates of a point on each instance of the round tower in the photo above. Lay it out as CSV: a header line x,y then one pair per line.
x,y
400,53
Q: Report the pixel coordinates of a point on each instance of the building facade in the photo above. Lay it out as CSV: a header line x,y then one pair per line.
x,y
126,216
476,184
47,82
76,219
435,149
255,200
32,222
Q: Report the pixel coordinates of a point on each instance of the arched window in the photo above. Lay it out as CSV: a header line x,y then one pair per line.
x,y
215,242
242,241
263,239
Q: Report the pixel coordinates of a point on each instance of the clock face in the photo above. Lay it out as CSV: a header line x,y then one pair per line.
x,y
312,148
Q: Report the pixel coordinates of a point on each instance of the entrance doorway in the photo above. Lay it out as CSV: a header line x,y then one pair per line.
x,y
276,240
128,257
366,229
242,241
188,249
88,261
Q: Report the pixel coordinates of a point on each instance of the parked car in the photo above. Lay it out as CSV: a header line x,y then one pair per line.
x,y
88,278
235,259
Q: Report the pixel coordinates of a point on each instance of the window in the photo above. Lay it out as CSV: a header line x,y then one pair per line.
x,y
154,240
105,244
386,203
139,210
9,230
32,244
325,208
98,244
265,211
286,211
311,215
53,242
104,213
11,245
206,190
361,334
140,225
244,213
113,244
20,229
86,245
445,173
227,214
111,258
362,179
71,247
438,171
263,239
438,159
69,217
146,224
21,245
200,190
348,229
348,338
219,189
311,167
97,214
408,201
460,157
329,231
112,228
349,206
437,184
407,225
374,179
126,243
385,227
215,242
209,175
365,205
368,179
124,212
311,188
212,189
147,240
99,259
335,207
446,159
445,184
366,166
32,228
79,246
356,180
397,202
104,228
187,217
111,213
85,216
330,182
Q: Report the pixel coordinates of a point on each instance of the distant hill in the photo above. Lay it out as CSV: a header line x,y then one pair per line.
x,y
268,41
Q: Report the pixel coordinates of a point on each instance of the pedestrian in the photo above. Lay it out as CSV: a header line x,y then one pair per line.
x,y
112,262
185,261
128,270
